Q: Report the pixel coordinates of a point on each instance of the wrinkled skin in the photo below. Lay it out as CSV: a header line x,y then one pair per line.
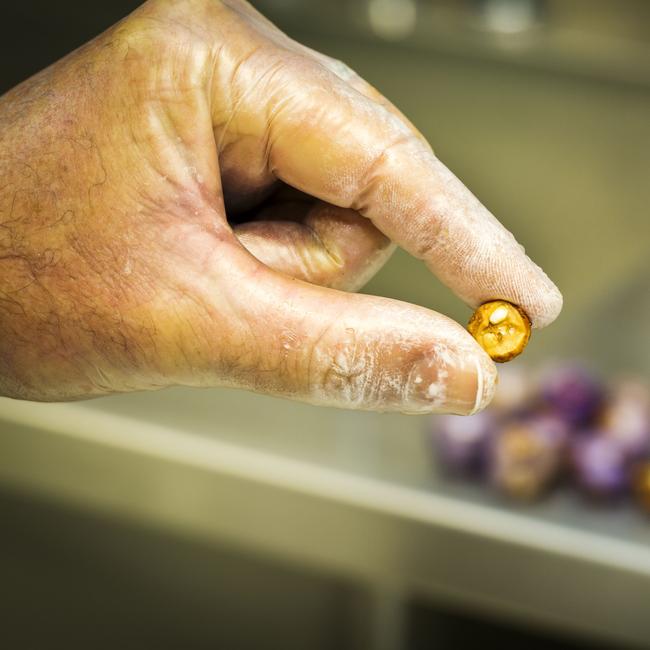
x,y
120,167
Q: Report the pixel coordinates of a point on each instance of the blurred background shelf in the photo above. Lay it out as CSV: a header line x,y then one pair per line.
x,y
347,495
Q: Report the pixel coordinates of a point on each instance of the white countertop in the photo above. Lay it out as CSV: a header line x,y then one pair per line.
x,y
351,493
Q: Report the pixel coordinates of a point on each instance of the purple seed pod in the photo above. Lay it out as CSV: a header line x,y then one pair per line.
x,y
526,456
460,441
626,418
554,429
600,464
573,392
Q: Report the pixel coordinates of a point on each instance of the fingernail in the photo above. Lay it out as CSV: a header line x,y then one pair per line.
x,y
486,383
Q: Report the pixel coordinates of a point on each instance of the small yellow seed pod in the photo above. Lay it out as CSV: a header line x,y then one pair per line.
x,y
501,329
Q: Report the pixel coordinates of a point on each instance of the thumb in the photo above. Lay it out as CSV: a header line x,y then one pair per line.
x,y
289,338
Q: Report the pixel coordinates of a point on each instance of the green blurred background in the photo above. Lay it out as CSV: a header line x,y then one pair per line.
x,y
543,109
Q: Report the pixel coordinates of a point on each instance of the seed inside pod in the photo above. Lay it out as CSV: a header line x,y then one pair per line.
x,y
501,329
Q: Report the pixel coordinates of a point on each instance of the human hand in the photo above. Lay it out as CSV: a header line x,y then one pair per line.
x,y
119,269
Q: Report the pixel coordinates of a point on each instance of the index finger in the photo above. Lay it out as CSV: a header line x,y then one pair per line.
x,y
343,147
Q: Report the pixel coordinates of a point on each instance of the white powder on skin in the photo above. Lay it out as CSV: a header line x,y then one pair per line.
x,y
374,373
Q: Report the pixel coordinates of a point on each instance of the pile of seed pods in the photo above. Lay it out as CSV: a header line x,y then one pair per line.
x,y
564,426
